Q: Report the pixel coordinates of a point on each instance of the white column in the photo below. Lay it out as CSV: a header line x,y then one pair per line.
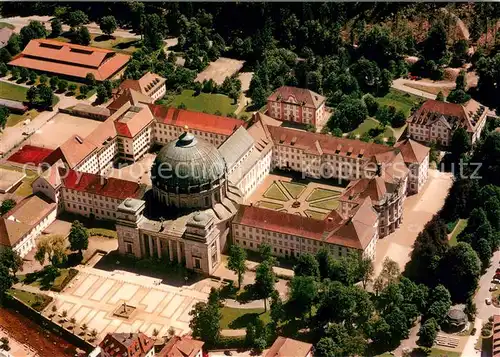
x,y
150,246
170,250
179,258
158,246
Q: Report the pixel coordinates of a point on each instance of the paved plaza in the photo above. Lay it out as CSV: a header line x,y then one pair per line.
x,y
137,172
311,199
60,128
418,210
94,295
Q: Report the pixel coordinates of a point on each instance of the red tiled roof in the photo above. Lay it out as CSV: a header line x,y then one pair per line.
x,y
316,143
195,120
100,185
69,59
301,96
30,154
333,229
184,346
133,121
287,347
456,115
412,151
126,345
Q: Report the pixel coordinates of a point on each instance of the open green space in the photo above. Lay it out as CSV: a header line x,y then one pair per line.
x,y
15,119
275,193
294,189
399,100
25,188
103,232
315,214
13,92
118,44
36,301
5,24
460,226
207,102
329,204
233,318
320,193
365,126
270,205
41,279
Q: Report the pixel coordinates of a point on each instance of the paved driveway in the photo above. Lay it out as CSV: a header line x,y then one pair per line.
x,y
418,210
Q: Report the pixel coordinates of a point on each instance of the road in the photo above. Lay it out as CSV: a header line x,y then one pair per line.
x,y
399,84
483,311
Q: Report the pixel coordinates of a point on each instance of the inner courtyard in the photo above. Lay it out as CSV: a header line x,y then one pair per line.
x,y
305,198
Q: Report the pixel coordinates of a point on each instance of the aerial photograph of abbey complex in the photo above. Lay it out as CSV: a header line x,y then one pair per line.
x,y
274,179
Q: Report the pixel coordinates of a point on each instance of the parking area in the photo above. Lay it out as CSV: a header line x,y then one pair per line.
x,y
60,128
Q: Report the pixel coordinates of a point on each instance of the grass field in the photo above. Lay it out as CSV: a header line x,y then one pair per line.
x,y
294,189
207,102
274,192
240,318
13,92
315,214
14,119
320,193
119,44
36,301
270,205
5,24
462,223
329,204
399,100
104,232
372,123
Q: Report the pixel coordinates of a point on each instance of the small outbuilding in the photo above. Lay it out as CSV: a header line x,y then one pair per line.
x,y
456,318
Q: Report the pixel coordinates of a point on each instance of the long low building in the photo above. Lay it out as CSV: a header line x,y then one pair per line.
x,y
69,60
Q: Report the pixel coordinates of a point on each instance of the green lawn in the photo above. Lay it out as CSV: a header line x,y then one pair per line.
x,y
294,189
399,100
274,192
462,223
233,318
104,232
25,188
118,44
5,24
319,193
315,214
270,205
14,119
36,301
210,103
13,92
365,126
329,204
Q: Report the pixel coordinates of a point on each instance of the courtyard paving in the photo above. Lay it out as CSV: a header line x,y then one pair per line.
x,y
418,210
137,172
60,128
94,295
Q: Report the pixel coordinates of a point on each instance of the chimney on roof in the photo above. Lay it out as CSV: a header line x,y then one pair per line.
x,y
379,170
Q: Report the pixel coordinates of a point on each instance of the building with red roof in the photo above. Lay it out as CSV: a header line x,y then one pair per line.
x,y
171,122
70,60
416,157
125,345
288,347
436,121
298,105
184,346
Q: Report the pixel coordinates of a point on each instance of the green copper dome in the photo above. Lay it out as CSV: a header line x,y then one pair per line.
x,y
187,164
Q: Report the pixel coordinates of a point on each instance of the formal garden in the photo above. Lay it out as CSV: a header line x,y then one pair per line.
x,y
304,199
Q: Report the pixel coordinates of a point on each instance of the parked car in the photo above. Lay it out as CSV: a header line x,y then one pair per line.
x,y
493,287
488,301
495,281
497,271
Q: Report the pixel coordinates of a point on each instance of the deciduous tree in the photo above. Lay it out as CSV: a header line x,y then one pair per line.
x,y
78,237
265,280
108,25
237,262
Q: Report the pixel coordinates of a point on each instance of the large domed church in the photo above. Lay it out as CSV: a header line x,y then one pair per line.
x,y
187,214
